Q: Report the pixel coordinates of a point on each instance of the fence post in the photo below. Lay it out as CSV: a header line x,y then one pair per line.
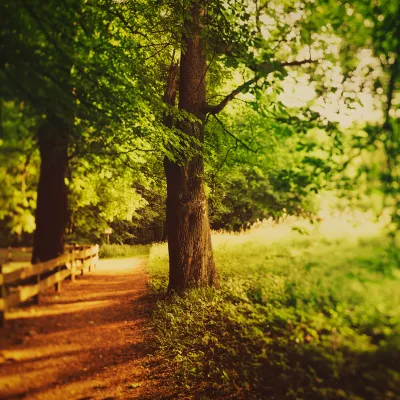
x,y
96,257
9,255
36,296
4,298
57,286
80,264
73,265
76,248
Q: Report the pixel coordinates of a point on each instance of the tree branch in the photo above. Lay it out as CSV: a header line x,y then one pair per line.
x,y
19,86
233,136
261,70
226,157
219,107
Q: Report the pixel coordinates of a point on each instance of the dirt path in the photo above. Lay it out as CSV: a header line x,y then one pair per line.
x,y
86,343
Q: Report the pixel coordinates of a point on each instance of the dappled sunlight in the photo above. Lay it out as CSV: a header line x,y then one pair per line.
x,y
352,225
299,301
118,266
58,309
40,352
12,266
80,340
346,226
71,372
200,200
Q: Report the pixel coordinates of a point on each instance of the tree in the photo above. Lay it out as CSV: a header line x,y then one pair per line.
x,y
69,62
235,36
189,238
102,63
121,191
19,169
52,208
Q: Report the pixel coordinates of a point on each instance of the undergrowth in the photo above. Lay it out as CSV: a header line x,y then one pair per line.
x,y
297,316
123,250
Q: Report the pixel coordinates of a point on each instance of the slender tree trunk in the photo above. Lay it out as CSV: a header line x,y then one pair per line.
x,y
164,235
189,239
51,211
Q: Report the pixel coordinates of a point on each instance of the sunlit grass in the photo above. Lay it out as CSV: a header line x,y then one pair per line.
x,y
346,228
123,250
308,310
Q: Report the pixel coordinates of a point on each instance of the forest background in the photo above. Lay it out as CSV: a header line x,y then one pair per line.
x,y
310,128
161,119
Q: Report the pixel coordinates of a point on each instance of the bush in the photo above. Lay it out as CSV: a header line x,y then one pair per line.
x,y
123,250
304,317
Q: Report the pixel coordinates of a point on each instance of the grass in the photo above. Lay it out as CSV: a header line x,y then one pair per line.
x,y
303,312
123,250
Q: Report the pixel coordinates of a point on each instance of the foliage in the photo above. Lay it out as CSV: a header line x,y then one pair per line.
x,y
378,31
19,170
280,171
99,196
296,317
107,70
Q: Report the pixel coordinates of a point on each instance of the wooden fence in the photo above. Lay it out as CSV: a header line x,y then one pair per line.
x,y
24,254
15,254
24,283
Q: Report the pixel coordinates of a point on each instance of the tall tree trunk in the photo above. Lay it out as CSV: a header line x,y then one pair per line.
x,y
51,211
189,239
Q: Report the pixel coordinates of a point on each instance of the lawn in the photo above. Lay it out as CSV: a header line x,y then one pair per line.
x,y
123,250
304,311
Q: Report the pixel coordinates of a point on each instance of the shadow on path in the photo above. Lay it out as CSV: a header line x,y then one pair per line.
x,y
89,342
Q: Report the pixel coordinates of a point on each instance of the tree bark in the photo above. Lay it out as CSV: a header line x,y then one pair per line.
x,y
51,211
189,239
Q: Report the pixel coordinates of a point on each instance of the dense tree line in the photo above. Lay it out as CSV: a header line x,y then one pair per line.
x,y
113,107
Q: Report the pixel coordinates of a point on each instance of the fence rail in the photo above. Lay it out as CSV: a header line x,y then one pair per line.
x,y
12,254
24,283
24,254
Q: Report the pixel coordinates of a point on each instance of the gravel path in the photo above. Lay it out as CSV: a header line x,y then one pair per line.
x,y
89,342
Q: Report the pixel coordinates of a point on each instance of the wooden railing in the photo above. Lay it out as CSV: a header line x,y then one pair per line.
x,y
12,254
24,254
24,283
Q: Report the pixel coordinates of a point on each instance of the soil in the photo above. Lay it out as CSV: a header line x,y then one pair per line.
x,y
91,341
